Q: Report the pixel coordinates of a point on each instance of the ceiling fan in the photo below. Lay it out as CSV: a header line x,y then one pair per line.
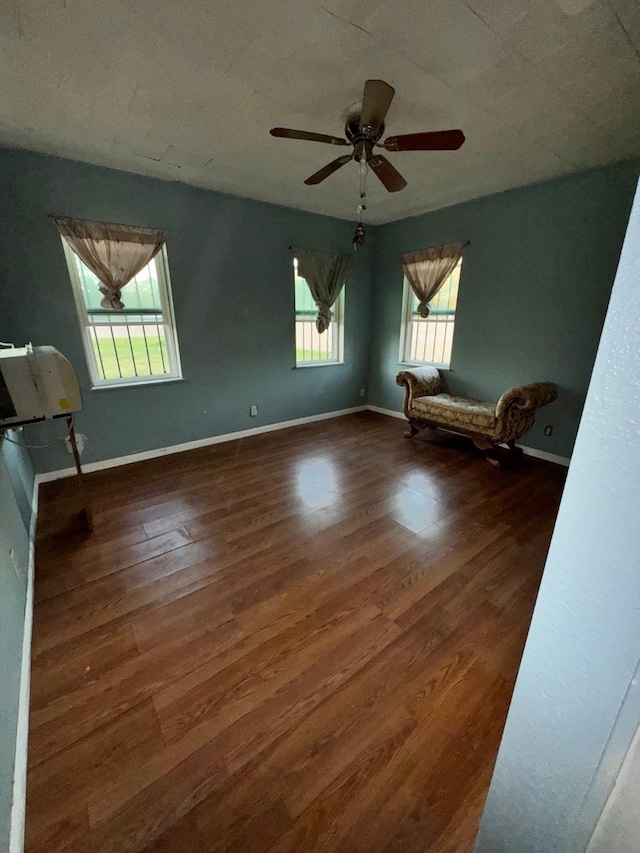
x,y
363,129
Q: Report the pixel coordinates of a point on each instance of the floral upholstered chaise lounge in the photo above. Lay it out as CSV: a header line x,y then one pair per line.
x,y
487,424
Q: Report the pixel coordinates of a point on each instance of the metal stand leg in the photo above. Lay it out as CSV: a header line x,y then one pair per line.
x,y
88,515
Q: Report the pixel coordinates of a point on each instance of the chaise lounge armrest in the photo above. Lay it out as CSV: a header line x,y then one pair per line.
x,y
420,381
527,397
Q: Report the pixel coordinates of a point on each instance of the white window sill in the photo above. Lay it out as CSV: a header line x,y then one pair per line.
x,y
426,364
140,384
319,364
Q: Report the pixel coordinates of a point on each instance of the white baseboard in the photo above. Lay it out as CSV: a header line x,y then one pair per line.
x,y
192,445
103,464
528,451
391,412
19,793
543,454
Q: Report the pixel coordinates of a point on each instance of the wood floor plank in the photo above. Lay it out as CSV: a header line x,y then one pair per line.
x,y
228,695
261,727
352,719
325,814
110,601
157,807
388,799
183,836
328,580
459,834
65,720
299,641
67,830
54,553
428,816
259,833
95,760
108,564
55,675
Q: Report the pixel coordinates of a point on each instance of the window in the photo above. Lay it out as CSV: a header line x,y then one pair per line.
x,y
313,348
428,340
136,345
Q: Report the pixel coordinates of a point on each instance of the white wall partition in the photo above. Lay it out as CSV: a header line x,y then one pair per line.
x,y
576,708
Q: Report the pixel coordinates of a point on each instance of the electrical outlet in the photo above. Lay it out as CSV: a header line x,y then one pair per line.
x,y
81,440
363,391
548,429
253,411
14,562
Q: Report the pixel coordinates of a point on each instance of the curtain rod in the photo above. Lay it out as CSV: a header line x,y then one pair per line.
x,y
463,243
55,216
322,251
291,249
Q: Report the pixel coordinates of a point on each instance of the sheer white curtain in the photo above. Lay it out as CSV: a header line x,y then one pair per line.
x,y
428,269
325,275
114,253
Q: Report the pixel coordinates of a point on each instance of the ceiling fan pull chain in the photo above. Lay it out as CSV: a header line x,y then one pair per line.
x,y
359,235
364,171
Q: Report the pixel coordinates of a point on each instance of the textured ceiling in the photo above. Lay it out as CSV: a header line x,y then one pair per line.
x,y
188,90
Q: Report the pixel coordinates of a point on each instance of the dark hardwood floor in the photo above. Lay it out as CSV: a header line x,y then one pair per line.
x,y
301,641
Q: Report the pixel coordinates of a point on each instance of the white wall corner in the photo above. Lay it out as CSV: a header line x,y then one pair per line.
x,y
19,792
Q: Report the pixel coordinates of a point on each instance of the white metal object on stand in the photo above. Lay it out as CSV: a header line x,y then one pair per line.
x,y
39,384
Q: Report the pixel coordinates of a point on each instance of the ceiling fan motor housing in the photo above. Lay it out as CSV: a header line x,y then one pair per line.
x,y
362,138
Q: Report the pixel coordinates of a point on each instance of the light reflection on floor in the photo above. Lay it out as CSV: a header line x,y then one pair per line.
x,y
416,501
415,510
318,484
425,482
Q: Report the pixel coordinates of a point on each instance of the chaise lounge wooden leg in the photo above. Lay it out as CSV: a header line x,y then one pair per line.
x,y
414,429
514,447
494,458
490,451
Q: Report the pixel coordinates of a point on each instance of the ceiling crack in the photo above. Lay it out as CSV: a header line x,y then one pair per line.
x,y
480,18
626,32
345,21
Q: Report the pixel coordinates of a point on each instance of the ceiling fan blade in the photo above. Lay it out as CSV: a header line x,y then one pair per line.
x,y
388,174
376,100
329,169
437,140
308,135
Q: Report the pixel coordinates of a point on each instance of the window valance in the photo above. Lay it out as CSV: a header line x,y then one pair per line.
x,y
114,253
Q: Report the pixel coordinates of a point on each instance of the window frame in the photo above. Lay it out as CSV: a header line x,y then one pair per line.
x,y
407,322
336,328
168,317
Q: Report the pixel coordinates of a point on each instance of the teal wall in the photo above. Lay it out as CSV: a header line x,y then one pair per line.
x,y
232,280
16,491
534,290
